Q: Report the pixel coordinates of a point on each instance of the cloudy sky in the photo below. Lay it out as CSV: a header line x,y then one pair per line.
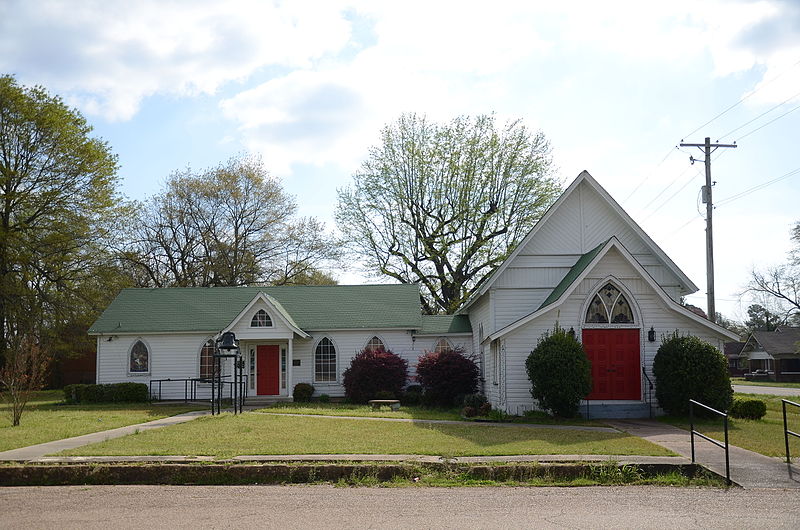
x,y
615,85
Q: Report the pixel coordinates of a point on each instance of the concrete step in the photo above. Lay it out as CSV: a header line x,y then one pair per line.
x,y
615,410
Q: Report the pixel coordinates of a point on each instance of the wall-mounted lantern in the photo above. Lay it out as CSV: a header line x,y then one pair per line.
x,y
571,332
651,335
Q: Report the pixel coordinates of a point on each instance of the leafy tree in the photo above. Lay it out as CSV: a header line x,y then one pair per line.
x,y
732,325
761,319
225,226
781,283
57,201
443,204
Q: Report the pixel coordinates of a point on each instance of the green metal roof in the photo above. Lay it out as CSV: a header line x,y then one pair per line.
x,y
311,307
573,274
441,324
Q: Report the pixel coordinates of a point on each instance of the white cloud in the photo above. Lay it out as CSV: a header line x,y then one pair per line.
x,y
107,56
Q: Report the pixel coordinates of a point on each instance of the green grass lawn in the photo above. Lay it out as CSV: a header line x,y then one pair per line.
x,y
407,412
763,436
253,434
45,419
742,381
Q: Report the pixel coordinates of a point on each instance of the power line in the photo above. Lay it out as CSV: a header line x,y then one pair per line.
x,y
743,99
652,172
769,122
758,187
757,117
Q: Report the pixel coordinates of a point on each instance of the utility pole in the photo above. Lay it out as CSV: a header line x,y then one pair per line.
x,y
707,199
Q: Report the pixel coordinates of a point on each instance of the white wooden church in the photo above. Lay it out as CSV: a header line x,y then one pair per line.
x,y
586,266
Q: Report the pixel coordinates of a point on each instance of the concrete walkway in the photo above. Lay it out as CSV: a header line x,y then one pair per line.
x,y
453,422
34,452
769,390
748,469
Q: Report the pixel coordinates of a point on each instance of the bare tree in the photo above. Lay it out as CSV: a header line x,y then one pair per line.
x,y
226,226
781,284
23,373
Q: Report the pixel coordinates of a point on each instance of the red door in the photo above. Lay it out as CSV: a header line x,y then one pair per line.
x,y
614,354
268,371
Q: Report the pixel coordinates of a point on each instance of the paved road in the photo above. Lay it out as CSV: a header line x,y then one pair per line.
x,y
771,390
305,507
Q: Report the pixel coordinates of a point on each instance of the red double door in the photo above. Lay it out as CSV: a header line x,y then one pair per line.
x,y
268,370
615,358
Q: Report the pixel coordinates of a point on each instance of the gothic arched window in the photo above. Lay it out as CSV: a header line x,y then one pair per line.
x,y
609,306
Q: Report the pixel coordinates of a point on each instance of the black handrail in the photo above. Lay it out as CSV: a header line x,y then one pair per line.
x,y
786,431
692,403
649,393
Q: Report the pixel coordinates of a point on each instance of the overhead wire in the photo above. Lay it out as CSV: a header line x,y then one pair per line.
x,y
759,116
652,172
768,123
758,187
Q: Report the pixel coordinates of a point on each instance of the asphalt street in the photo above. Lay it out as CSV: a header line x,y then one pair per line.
x,y
104,507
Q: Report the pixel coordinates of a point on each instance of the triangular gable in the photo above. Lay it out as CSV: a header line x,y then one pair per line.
x,y
687,285
576,270
578,278
278,310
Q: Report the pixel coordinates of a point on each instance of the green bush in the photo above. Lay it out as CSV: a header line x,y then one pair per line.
x,y
469,412
485,409
108,393
302,392
748,409
412,395
689,368
474,400
324,398
559,371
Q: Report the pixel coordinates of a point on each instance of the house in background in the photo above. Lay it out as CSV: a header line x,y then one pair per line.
x,y
774,355
737,361
586,266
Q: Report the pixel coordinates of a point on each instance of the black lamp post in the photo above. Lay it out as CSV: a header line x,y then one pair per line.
x,y
227,347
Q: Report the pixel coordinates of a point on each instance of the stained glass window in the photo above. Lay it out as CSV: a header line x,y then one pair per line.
x,y
609,306
442,345
207,360
261,320
140,358
375,344
325,361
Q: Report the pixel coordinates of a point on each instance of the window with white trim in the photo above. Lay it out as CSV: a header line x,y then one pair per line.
x,y
207,359
609,306
261,320
442,345
375,344
325,361
139,358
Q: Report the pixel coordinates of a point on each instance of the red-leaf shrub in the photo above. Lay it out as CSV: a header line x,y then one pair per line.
x,y
373,371
446,376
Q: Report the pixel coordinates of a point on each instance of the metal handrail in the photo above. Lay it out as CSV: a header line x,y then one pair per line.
x,y
725,446
649,393
786,431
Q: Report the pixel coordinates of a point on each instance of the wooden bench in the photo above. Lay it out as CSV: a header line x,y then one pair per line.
x,y
377,403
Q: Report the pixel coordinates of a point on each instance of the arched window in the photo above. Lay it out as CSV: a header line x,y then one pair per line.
x,y
442,345
261,320
207,359
375,344
609,306
140,358
325,361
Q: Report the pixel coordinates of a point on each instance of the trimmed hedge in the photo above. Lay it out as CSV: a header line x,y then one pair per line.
x,y
748,409
559,372
302,392
689,368
446,377
378,374
108,393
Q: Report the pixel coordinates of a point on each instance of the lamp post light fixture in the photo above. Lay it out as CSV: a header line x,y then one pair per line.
x,y
227,347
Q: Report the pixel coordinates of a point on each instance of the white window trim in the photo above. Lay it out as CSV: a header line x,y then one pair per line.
x,y
200,356
440,339
335,381
149,358
375,336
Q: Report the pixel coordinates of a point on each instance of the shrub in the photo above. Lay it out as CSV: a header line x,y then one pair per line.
x,y
558,369
412,395
688,368
302,392
485,409
748,409
474,400
446,375
108,393
469,412
371,372
324,398
384,394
